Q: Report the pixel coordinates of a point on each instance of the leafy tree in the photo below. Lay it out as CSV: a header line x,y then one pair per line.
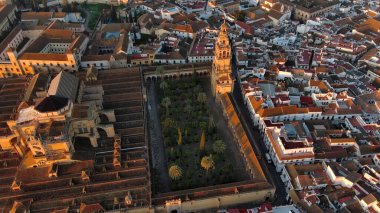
x,y
179,136
197,89
240,15
203,141
202,97
164,86
166,103
175,172
188,108
168,123
187,101
219,147
207,163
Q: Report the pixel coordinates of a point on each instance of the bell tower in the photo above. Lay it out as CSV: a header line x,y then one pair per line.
x,y
221,81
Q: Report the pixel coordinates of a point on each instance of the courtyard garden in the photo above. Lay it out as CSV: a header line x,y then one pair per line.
x,y
197,153
94,12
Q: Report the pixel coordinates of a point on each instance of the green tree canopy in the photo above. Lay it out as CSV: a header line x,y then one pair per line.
x,y
164,85
175,172
166,103
202,97
188,108
168,123
219,147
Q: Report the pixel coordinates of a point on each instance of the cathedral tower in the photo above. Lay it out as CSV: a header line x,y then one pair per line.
x,y
221,81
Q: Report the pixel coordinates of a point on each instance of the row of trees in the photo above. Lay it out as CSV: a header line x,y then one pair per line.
x,y
175,171
166,102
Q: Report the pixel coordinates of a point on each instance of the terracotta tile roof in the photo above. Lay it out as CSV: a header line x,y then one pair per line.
x,y
369,199
341,140
78,41
59,33
198,25
91,208
42,17
184,28
256,104
286,110
59,14
275,14
43,57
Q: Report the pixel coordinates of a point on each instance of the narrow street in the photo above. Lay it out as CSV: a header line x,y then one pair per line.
x,y
257,142
259,147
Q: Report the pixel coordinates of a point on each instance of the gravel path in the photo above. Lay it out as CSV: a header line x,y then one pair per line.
x,y
156,140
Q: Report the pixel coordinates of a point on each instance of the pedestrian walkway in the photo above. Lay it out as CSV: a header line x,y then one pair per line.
x,y
159,162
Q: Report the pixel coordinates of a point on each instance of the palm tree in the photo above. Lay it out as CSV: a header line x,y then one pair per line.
x,y
168,123
166,103
164,86
203,125
175,172
219,147
179,136
202,97
203,141
207,163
